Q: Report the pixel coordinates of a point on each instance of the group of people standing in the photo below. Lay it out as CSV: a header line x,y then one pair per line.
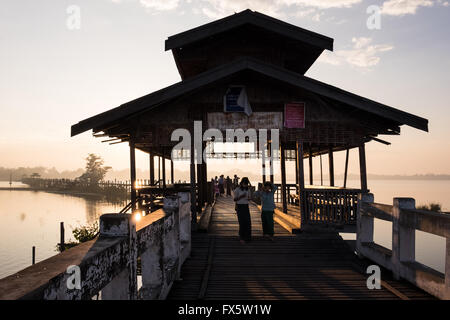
x,y
224,185
242,197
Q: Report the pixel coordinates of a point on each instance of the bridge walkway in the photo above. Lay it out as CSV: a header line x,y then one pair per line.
x,y
302,266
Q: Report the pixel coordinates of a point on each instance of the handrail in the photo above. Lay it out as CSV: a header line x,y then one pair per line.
x,y
406,219
130,204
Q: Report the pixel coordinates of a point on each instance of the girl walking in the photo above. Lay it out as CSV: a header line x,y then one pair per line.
x,y
241,197
267,208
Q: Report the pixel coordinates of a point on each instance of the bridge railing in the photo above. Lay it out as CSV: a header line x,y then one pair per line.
x,y
330,205
401,259
160,241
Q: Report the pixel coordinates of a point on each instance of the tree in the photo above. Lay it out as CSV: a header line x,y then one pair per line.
x,y
95,169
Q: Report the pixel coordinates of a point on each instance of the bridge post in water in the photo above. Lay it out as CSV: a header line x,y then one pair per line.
x,y
33,255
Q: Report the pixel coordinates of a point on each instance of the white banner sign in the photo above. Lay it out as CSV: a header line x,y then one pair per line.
x,y
257,120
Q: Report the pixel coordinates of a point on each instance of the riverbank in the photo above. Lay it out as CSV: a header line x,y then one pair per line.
x,y
93,195
111,191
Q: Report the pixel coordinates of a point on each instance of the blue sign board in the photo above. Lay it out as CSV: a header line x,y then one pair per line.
x,y
235,100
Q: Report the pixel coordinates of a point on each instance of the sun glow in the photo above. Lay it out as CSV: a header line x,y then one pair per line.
x,y
137,216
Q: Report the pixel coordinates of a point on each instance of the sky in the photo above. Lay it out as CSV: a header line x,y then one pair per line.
x,y
64,61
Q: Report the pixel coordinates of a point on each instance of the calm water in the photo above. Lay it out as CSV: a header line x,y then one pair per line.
x,y
32,219
430,249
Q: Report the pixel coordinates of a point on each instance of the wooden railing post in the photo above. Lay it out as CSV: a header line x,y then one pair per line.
x,y
364,224
124,285
403,238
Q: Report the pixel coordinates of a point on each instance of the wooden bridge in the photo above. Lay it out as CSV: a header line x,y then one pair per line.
x,y
175,262
268,73
301,266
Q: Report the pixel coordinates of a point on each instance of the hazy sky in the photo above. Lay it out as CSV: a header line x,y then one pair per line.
x,y
52,75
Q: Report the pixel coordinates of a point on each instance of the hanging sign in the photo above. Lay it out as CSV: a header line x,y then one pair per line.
x,y
258,120
294,115
236,100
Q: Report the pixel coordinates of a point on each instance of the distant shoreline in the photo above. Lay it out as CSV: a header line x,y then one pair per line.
x,y
66,192
430,177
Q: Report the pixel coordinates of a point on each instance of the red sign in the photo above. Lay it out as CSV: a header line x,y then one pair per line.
x,y
294,115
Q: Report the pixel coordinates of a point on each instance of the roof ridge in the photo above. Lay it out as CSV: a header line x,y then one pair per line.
x,y
253,17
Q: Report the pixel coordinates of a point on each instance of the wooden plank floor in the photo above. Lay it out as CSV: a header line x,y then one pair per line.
x,y
304,266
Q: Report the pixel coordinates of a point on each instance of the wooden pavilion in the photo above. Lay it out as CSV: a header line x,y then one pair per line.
x,y
268,58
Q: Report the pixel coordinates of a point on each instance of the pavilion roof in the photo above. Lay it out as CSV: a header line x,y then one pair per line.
x,y
248,17
153,100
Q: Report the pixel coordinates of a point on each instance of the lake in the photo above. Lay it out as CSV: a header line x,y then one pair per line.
x,y
32,218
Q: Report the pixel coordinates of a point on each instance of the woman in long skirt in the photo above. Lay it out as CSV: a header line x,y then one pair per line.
x,y
221,185
241,197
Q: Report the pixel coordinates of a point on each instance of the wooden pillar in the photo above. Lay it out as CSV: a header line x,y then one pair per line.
x,y
199,187
301,180
321,171
346,168
263,160
159,169
133,173
362,167
205,179
152,168
270,163
172,177
283,178
296,168
311,180
331,166
164,171
192,179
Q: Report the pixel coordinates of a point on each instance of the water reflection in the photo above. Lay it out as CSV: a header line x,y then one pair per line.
x,y
32,218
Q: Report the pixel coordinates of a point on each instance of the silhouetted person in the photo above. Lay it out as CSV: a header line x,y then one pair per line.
x,y
216,187
267,207
228,184
235,181
221,187
241,196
